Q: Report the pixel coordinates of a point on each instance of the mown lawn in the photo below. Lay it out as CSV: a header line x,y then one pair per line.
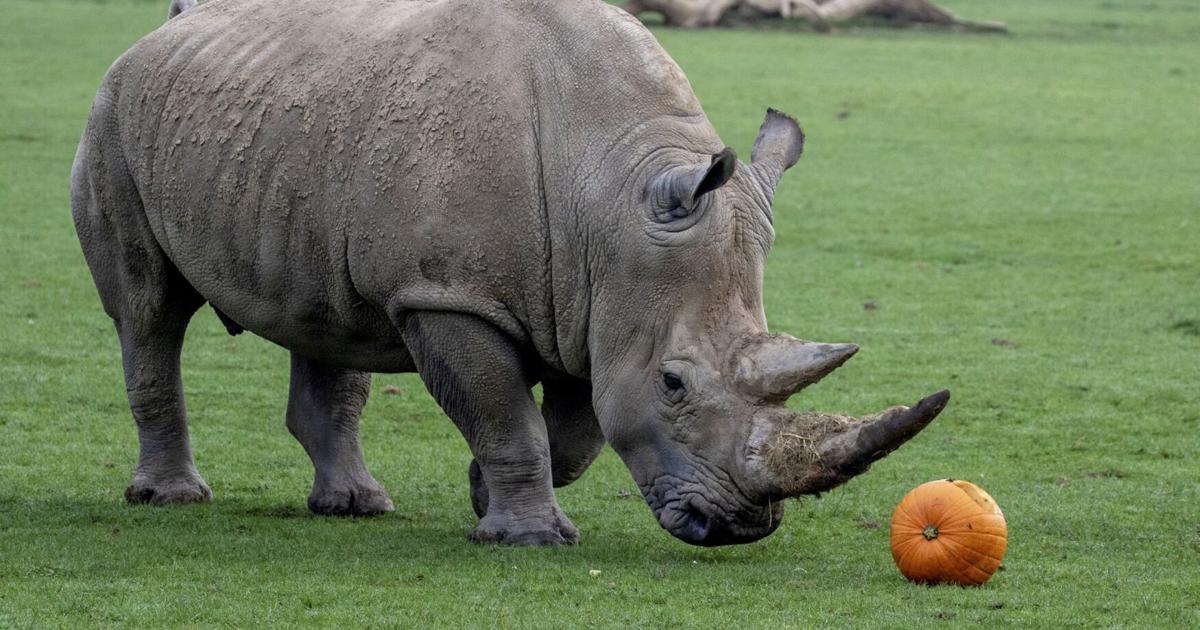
x,y
1015,218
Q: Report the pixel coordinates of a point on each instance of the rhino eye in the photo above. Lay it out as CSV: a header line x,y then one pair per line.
x,y
672,381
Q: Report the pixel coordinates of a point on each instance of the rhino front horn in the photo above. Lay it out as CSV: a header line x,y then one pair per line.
x,y
773,367
851,452
811,452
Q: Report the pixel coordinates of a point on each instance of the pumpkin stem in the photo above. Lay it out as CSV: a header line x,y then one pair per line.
x,y
930,532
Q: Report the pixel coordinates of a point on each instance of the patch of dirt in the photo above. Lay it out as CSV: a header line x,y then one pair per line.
x,y
870,305
27,138
1107,473
1189,327
869,523
391,390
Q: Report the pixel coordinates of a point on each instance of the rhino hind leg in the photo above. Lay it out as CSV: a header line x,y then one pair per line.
x,y
233,328
573,432
150,304
324,404
477,375
165,471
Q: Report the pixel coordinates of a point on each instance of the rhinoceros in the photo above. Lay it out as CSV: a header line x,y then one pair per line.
x,y
492,195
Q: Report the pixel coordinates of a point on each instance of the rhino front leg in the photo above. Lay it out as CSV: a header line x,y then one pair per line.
x,y
324,404
477,375
575,437
573,432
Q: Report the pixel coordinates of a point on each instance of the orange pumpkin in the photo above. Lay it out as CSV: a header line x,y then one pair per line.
x,y
948,530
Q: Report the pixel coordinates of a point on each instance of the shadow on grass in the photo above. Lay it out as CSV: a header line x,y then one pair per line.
x,y
236,532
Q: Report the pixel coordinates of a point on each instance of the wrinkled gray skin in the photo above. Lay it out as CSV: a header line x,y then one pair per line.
x,y
492,194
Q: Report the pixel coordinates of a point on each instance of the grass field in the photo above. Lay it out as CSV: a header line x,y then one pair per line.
x,y
1022,213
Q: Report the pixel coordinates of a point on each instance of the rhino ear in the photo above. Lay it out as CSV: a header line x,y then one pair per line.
x,y
680,190
720,169
777,147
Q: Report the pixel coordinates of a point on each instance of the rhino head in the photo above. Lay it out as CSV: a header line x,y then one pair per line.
x,y
689,386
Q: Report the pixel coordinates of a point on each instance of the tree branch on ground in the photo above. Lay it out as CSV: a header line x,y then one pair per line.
x,y
822,14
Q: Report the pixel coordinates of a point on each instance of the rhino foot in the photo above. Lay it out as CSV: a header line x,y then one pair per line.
x,y
357,498
187,489
503,528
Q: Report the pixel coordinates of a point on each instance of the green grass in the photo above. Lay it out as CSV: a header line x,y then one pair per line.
x,y
1023,211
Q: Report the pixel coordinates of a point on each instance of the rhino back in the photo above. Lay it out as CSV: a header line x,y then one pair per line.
x,y
314,169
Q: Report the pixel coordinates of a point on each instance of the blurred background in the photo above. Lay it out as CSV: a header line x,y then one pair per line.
x,y
1015,217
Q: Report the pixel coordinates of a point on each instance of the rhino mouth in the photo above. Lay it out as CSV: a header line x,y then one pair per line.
x,y
694,518
702,528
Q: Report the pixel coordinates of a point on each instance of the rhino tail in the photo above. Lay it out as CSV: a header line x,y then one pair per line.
x,y
231,327
179,6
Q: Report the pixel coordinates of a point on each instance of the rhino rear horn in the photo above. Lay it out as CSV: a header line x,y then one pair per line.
x,y
777,148
773,367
